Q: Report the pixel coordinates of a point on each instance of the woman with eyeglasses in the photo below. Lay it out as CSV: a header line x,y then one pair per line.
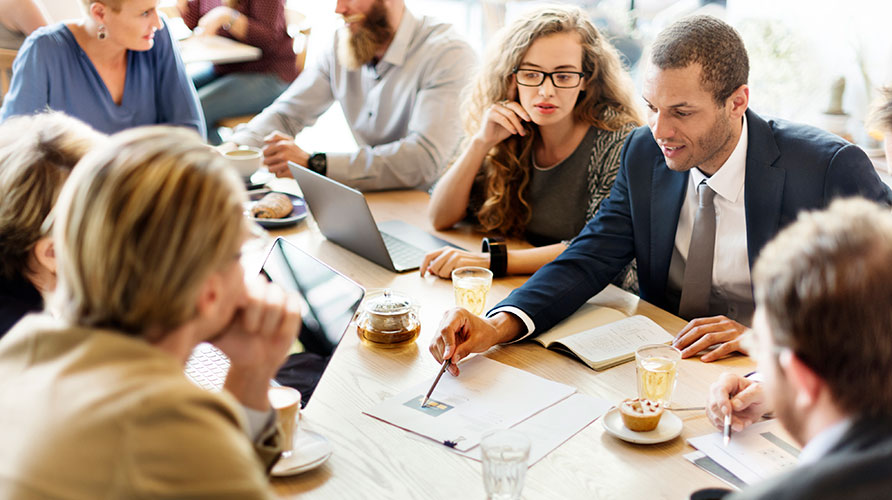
x,y
36,155
544,124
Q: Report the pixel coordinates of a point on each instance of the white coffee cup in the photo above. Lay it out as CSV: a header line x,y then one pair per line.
x,y
246,160
286,402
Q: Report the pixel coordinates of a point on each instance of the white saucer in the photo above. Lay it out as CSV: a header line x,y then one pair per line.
x,y
310,451
669,428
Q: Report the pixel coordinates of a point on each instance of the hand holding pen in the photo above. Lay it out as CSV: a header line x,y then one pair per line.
x,y
736,400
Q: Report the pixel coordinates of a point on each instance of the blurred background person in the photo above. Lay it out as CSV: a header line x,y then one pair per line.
x,y
115,68
18,18
544,124
36,155
397,78
148,232
881,120
228,90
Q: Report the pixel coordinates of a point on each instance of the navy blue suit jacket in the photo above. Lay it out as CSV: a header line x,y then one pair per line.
x,y
789,168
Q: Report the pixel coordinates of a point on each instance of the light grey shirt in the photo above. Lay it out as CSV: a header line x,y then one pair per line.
x,y
403,111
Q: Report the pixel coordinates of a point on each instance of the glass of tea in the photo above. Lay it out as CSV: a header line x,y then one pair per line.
x,y
471,284
657,366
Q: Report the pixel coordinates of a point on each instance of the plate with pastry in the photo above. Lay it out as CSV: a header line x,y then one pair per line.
x,y
642,421
275,209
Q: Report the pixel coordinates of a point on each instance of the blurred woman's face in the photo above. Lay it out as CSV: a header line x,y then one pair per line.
x,y
553,100
135,25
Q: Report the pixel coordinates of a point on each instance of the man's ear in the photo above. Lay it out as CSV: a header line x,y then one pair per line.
x,y
807,384
45,253
739,101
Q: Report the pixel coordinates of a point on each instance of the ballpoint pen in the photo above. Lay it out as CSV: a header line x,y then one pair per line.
x,y
434,385
726,438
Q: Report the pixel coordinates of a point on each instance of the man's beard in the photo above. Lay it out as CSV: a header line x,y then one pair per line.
x,y
359,47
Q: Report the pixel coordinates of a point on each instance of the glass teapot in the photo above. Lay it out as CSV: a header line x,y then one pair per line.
x,y
388,319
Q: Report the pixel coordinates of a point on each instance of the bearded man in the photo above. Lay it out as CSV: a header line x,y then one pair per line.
x,y
397,78
699,192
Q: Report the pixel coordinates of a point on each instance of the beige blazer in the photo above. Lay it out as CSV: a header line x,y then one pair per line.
x,y
92,414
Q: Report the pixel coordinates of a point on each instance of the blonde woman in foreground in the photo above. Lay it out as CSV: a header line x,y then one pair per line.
x,y
545,123
148,235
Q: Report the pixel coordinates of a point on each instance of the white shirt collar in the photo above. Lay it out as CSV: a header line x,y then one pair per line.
x,y
819,445
727,182
399,47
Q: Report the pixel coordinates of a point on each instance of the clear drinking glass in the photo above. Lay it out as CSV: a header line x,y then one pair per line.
x,y
505,455
657,366
471,284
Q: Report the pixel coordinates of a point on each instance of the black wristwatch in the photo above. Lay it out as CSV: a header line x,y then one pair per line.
x,y
498,255
318,163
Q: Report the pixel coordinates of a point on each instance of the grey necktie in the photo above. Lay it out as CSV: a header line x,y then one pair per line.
x,y
698,267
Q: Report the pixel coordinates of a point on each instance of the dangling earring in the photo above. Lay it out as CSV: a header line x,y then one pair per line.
x,y
101,32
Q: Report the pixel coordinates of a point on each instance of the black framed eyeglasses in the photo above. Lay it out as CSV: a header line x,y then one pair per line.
x,y
560,79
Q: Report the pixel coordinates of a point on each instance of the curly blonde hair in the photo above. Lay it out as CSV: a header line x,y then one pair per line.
x,y
606,102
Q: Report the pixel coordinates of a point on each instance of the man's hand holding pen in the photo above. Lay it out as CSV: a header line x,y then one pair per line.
x,y
462,333
741,398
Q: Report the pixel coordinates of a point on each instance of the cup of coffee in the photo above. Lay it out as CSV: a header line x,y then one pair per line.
x,y
286,402
245,160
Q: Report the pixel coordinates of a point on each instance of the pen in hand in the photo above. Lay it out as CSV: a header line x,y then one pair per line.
x,y
436,380
726,435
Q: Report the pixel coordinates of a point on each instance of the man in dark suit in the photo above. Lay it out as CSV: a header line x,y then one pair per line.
x,y
704,161
821,340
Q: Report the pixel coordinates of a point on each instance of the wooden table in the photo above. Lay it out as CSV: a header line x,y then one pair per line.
x,y
373,459
216,49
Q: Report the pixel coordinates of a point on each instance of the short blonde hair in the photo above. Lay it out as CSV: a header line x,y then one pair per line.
x,y
142,224
114,5
37,153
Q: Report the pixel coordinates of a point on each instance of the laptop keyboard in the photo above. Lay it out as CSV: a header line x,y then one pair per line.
x,y
403,255
207,367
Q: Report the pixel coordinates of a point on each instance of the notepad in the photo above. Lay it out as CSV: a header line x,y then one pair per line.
x,y
610,337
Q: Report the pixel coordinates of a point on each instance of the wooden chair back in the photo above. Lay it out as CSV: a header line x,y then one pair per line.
x,y
7,56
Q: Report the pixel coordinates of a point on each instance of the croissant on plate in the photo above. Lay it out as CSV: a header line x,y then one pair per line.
x,y
272,206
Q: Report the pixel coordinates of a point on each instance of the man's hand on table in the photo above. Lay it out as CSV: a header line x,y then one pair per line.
x,y
743,398
462,333
701,333
279,150
441,262
257,341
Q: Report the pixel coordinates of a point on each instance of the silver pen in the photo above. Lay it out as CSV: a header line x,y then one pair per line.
x,y
726,435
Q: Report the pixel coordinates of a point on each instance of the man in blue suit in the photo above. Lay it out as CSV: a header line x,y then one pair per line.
x,y
700,139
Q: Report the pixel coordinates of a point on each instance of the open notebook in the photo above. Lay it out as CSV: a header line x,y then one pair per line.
x,y
602,337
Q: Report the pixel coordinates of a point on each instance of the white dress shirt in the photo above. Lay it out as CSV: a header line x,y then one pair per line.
x,y
821,444
402,111
731,282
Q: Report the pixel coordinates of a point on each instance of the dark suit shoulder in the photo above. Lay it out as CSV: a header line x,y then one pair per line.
x,y
641,145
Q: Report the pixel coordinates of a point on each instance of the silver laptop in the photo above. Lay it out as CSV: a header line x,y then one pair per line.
x,y
330,301
344,217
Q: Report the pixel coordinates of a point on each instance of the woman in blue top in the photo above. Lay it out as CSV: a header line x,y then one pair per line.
x,y
114,69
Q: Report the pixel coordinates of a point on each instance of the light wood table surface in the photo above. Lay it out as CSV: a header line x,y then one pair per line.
x,y
373,459
216,49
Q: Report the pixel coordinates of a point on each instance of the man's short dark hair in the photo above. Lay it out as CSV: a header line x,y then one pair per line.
x,y
825,284
709,42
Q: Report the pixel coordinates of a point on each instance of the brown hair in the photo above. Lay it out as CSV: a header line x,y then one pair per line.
x,y
826,285
36,155
143,222
607,102
709,42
